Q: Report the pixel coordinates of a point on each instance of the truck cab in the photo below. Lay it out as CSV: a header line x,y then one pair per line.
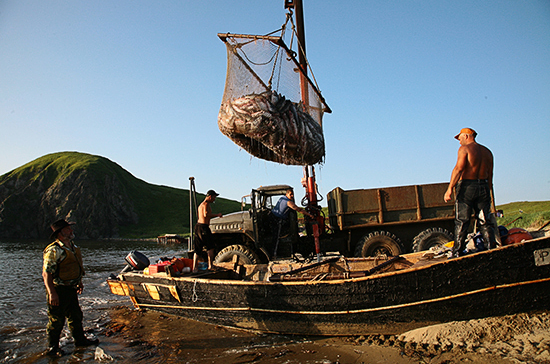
x,y
249,233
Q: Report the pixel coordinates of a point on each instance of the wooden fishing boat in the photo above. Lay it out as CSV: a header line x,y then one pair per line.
x,y
353,296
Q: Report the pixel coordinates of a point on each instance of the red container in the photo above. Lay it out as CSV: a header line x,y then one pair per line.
x,y
179,263
516,235
159,267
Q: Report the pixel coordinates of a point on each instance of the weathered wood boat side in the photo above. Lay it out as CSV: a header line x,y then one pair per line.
x,y
502,281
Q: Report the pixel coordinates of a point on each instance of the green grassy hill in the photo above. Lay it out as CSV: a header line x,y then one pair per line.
x,y
526,215
103,198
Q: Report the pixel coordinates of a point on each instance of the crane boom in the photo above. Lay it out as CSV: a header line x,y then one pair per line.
x,y
317,223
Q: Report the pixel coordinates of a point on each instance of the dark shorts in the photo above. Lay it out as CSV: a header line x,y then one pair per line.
x,y
203,237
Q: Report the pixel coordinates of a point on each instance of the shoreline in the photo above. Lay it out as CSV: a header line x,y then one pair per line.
x,y
152,337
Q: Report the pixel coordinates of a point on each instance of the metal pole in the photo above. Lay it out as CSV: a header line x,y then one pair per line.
x,y
309,171
301,35
192,209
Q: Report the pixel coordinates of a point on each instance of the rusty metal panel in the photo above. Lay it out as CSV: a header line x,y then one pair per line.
x,y
432,195
348,209
399,198
359,200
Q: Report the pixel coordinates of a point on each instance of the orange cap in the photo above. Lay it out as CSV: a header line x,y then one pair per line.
x,y
466,131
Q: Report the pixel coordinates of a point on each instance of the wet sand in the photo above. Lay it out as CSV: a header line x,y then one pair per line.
x,y
163,338
140,336
145,336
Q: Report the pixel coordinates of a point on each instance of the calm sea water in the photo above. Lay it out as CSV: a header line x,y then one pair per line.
x,y
23,314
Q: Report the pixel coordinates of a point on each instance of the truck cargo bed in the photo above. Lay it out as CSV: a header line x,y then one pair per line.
x,y
388,206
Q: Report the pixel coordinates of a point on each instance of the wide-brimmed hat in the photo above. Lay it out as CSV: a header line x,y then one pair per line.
x,y
212,193
58,226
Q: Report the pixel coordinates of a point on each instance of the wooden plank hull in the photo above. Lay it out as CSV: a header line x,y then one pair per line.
x,y
503,281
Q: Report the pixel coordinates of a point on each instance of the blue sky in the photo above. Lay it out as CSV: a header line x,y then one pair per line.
x,y
141,82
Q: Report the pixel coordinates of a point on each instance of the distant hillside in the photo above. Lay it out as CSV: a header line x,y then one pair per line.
x,y
527,215
105,200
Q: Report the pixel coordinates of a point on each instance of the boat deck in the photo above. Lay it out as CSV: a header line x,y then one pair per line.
x,y
343,296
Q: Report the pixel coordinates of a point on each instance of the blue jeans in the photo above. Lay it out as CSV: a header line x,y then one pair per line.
x,y
473,196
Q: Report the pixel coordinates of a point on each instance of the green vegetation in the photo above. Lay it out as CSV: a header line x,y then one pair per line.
x,y
160,209
526,215
166,210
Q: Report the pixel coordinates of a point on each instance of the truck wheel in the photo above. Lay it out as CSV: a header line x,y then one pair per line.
x,y
432,237
246,256
378,243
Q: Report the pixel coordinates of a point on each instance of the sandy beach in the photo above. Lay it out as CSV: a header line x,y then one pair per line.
x,y
152,337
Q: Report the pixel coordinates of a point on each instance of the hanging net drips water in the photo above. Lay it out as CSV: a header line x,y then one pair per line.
x,y
263,109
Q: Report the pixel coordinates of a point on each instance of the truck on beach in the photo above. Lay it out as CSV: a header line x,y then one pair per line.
x,y
365,222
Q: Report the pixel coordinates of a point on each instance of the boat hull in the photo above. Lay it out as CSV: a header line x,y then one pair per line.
x,y
502,281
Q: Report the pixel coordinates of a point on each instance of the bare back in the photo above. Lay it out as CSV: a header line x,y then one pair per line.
x,y
205,212
475,162
478,163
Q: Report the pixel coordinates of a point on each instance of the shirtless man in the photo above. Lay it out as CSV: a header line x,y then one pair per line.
x,y
473,178
203,235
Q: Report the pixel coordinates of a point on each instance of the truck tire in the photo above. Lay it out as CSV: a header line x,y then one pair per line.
x,y
246,256
432,237
378,243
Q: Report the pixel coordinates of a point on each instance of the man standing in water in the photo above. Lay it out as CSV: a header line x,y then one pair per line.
x,y
473,178
62,273
203,235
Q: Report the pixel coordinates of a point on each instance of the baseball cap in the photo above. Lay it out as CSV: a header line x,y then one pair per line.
x,y
466,131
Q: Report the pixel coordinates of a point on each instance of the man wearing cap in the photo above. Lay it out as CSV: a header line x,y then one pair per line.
x,y
203,235
473,178
62,273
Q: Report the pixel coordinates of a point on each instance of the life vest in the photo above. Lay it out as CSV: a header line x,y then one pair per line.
x,y
281,208
71,267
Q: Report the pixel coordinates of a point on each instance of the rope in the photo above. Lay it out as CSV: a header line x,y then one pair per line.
x,y
300,47
194,296
348,268
239,46
270,82
281,29
276,54
319,277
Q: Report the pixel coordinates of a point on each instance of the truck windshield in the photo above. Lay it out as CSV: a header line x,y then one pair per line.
x,y
268,203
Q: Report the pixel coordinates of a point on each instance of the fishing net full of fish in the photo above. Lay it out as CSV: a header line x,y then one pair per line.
x,y
270,107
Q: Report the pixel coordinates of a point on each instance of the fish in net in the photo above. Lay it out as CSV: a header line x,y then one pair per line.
x,y
270,127
270,108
